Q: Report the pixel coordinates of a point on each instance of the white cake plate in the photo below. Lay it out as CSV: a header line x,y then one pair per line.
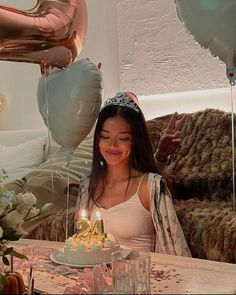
x,y
59,258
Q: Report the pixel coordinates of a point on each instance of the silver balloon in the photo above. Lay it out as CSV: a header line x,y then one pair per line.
x,y
212,23
69,101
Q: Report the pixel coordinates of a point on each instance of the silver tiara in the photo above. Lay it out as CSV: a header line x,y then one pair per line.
x,y
122,100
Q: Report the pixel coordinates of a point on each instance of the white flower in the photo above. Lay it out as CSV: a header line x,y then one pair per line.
x,y
33,212
25,202
29,199
12,220
15,209
18,198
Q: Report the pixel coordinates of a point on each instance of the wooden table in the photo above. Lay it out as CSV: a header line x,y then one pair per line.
x,y
170,274
194,276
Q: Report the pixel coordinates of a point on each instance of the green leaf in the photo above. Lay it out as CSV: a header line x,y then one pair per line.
x,y
5,260
8,251
2,247
45,208
15,237
18,255
10,234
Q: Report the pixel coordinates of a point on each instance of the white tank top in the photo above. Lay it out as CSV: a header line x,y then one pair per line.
x,y
130,222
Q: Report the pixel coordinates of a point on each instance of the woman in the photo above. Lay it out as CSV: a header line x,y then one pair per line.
x,y
124,186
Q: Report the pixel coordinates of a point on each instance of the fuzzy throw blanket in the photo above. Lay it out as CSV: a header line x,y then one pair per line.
x,y
200,178
202,167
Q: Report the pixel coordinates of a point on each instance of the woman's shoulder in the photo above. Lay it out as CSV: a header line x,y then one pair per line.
x,y
149,183
154,182
153,176
147,174
149,178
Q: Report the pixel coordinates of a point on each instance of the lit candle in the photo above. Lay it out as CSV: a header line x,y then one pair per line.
x,y
98,227
83,214
83,225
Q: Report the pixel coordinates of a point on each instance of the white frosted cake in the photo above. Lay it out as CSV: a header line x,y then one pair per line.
x,y
90,250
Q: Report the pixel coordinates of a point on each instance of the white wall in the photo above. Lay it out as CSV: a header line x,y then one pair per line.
x,y
158,55
157,105
102,41
143,47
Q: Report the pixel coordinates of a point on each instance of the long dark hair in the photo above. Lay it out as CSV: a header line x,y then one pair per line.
x,y
141,157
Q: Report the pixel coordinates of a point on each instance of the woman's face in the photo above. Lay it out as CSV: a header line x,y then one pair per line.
x,y
115,141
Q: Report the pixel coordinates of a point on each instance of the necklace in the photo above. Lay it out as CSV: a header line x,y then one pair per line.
x,y
112,185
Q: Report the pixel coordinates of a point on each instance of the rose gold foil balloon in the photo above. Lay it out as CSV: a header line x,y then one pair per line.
x,y
51,34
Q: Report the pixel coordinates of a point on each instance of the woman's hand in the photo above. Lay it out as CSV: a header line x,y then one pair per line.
x,y
170,137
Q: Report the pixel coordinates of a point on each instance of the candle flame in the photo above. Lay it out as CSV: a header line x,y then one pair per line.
x,y
83,213
98,215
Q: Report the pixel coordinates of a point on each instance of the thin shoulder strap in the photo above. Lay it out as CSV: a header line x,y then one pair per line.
x,y
138,188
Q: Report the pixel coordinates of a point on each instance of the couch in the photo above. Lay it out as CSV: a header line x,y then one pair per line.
x,y
199,176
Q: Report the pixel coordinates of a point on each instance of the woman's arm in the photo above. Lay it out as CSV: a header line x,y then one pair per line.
x,y
170,140
170,238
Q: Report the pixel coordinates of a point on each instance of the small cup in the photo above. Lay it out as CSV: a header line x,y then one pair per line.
x,y
131,272
102,279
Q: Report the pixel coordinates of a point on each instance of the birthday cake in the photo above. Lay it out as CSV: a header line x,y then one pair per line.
x,y
90,245
90,250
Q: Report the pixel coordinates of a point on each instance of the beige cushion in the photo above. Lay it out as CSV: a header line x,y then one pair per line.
x,y
20,159
49,181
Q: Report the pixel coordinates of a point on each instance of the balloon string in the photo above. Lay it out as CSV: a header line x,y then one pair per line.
x,y
68,160
233,150
46,114
67,202
69,157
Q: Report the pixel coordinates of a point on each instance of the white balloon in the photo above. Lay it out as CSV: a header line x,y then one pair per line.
x,y
212,23
69,101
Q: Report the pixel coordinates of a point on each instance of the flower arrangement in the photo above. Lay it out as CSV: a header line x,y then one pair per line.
x,y
15,209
